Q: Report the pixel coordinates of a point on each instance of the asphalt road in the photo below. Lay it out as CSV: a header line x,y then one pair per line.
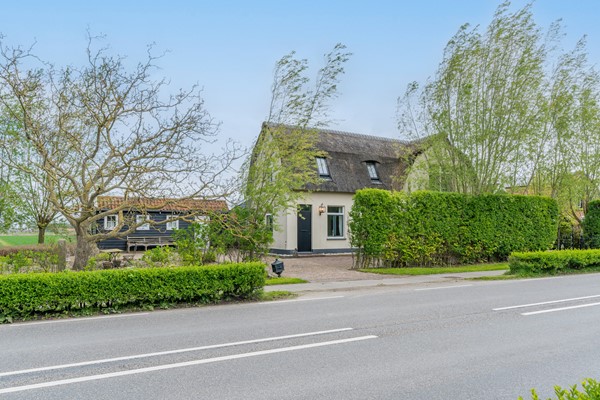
x,y
438,341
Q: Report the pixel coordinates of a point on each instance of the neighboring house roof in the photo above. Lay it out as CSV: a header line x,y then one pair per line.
x,y
348,154
161,204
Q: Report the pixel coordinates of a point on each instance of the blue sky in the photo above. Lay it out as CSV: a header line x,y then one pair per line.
x,y
229,47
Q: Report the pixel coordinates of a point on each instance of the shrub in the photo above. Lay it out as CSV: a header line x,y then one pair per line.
x,y
28,259
96,261
591,225
554,262
192,243
435,228
7,250
28,295
591,392
158,255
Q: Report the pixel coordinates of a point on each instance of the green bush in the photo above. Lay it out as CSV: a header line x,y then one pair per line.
x,y
554,261
591,392
435,228
192,243
20,259
27,295
591,225
96,261
159,255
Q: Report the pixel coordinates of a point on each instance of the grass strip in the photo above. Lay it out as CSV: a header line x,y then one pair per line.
x,y
437,270
283,281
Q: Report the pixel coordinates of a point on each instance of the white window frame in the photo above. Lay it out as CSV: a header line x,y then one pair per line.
x,y
139,218
372,170
323,168
112,225
269,221
172,225
340,218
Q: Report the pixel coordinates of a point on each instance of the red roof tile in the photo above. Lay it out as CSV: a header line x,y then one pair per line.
x,y
111,202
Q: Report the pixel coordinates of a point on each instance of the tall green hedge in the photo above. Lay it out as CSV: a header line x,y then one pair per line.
x,y
27,295
591,225
435,228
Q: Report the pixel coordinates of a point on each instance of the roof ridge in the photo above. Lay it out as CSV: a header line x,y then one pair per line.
x,y
352,134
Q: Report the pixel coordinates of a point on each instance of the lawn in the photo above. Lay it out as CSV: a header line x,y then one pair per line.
x,y
283,281
26,239
437,270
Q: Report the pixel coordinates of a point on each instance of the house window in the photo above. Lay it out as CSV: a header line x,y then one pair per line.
x,y
372,169
110,222
335,222
139,219
172,225
323,168
269,222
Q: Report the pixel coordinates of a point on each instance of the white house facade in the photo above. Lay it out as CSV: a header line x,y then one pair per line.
x,y
318,224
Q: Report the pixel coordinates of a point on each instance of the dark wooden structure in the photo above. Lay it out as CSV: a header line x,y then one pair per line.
x,y
156,232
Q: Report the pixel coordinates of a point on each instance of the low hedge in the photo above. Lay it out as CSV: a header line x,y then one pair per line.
x,y
24,296
554,261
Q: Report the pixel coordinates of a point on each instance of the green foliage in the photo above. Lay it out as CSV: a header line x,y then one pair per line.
x,y
96,261
20,259
591,391
160,255
591,225
282,162
519,111
283,281
554,262
438,270
192,243
28,295
570,234
243,234
435,228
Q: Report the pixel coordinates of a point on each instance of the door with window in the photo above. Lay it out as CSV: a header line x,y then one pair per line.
x,y
304,227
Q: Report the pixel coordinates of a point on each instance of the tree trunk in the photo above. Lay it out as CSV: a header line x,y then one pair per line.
x,y
41,234
83,250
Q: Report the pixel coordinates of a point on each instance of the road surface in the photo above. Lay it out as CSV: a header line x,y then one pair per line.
x,y
445,340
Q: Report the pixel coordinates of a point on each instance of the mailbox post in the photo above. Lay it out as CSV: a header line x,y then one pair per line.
x,y
277,267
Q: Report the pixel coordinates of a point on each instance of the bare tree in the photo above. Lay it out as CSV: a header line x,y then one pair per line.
x,y
103,129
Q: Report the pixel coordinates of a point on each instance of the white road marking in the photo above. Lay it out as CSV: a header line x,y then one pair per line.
x,y
179,365
545,302
442,287
81,319
299,300
177,351
560,309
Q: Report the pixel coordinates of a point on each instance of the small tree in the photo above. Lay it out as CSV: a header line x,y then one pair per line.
x,y
283,157
192,243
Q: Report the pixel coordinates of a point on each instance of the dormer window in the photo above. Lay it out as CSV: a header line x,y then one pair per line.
x,y
323,168
372,170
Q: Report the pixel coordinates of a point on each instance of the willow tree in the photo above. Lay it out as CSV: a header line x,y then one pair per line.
x,y
106,128
484,100
283,156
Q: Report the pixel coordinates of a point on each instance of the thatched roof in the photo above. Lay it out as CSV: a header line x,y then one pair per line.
x,y
161,204
348,154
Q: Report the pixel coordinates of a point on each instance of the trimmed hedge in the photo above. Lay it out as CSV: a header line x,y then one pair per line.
x,y
591,225
28,295
436,228
554,262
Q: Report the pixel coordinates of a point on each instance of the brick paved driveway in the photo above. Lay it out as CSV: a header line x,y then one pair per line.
x,y
323,269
